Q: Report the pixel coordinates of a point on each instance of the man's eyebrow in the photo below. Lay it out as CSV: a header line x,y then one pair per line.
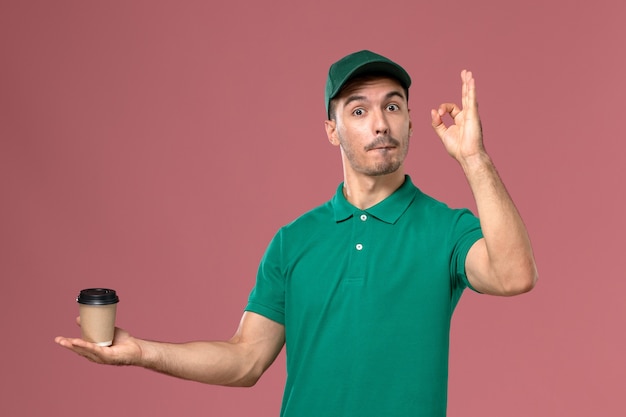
x,y
350,99
394,93
389,95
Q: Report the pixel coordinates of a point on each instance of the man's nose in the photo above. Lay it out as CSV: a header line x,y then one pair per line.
x,y
381,127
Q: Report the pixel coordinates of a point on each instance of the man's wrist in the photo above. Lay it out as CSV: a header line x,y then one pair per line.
x,y
147,356
476,163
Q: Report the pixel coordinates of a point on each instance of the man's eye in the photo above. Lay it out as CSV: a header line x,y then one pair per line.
x,y
393,107
358,112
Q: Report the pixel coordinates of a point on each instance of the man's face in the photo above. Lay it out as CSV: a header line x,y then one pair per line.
x,y
372,127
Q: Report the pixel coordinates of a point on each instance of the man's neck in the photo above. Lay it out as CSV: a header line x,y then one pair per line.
x,y
364,191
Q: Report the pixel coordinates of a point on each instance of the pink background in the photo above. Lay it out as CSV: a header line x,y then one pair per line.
x,y
155,148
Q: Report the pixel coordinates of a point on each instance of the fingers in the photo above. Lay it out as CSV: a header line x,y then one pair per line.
x,y
437,122
468,99
468,91
450,108
83,348
464,88
75,345
437,115
70,343
61,341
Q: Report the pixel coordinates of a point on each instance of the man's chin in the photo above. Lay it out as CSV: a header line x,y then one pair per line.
x,y
384,169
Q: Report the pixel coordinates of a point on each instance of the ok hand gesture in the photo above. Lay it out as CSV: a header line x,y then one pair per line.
x,y
463,139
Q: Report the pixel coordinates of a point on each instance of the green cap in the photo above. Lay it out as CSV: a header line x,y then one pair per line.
x,y
360,63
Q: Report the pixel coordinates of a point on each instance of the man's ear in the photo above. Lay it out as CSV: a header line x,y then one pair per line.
x,y
331,131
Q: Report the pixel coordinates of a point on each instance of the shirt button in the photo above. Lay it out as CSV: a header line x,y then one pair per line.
x,y
359,246
363,217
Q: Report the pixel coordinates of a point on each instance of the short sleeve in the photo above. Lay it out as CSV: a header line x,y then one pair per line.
x,y
465,232
268,295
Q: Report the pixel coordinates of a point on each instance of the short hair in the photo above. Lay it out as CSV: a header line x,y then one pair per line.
x,y
332,105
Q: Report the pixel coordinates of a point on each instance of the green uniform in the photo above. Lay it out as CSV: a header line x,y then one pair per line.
x,y
366,297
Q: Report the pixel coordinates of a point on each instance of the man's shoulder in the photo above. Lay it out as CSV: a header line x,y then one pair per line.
x,y
425,201
316,217
425,206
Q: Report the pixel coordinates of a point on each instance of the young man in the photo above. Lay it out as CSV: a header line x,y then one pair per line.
x,y
362,289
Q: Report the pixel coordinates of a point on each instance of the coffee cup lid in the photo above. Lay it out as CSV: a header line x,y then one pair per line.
x,y
97,296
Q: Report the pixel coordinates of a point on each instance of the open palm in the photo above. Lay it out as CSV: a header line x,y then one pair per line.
x,y
124,351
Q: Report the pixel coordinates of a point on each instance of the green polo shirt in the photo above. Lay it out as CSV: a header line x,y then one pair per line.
x,y
366,298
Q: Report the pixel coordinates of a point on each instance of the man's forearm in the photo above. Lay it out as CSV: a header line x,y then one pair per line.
x,y
217,363
510,257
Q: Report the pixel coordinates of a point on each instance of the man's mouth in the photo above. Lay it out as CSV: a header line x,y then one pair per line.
x,y
383,149
383,143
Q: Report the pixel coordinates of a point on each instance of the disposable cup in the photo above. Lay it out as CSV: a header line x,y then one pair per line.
x,y
97,308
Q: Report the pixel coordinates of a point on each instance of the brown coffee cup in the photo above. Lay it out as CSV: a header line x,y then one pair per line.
x,y
97,308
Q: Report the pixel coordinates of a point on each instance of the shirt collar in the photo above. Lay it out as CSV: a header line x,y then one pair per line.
x,y
389,210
